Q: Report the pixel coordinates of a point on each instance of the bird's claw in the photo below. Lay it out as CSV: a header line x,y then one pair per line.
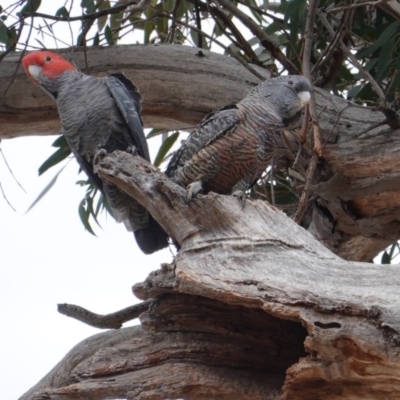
x,y
241,196
132,150
193,189
99,156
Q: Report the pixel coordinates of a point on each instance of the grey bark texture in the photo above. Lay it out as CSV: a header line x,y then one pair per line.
x,y
253,307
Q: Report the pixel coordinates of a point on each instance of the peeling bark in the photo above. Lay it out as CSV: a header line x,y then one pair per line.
x,y
247,288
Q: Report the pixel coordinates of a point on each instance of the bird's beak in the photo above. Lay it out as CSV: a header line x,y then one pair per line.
x,y
34,71
304,97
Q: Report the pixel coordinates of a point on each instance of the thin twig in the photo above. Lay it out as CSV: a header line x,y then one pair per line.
x,y
354,60
198,24
332,45
271,174
10,170
171,34
303,203
16,68
373,126
237,38
336,123
135,8
217,42
5,197
95,15
257,31
109,321
356,5
308,34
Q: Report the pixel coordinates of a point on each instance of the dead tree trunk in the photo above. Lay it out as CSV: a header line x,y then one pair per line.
x,y
252,308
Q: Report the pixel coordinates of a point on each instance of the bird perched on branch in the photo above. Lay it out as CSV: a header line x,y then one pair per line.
x,y
232,147
99,113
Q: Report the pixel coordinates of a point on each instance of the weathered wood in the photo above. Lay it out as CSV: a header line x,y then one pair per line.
x,y
189,347
245,274
259,258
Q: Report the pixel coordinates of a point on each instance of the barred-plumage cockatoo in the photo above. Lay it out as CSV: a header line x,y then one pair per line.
x,y
99,113
232,147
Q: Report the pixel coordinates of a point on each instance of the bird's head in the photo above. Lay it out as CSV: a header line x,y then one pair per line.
x,y
46,68
287,94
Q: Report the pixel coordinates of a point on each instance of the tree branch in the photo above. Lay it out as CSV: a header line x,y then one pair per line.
x,y
109,321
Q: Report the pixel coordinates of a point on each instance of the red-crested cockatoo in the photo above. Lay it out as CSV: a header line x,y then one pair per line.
x,y
99,113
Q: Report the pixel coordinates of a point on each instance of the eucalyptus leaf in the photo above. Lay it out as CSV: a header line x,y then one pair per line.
x,y
165,147
31,6
46,189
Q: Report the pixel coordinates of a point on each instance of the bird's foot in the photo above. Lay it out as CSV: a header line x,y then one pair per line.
x,y
99,156
241,196
193,189
132,150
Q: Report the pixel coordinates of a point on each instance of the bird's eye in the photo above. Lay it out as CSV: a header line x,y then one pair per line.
x,y
290,82
48,58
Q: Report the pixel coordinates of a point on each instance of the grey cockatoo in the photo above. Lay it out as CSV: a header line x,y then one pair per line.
x,y
99,113
232,147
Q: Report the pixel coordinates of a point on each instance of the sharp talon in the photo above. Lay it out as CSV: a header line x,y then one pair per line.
x,y
193,189
131,150
241,196
99,156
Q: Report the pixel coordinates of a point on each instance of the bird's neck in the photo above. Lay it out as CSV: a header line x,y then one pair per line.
x,y
53,87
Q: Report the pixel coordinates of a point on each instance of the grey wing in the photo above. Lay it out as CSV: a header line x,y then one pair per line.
x,y
128,100
212,127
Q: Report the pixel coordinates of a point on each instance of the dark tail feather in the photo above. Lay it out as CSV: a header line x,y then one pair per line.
x,y
152,238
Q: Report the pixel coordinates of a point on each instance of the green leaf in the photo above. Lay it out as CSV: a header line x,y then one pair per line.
x,y
84,215
384,37
62,12
31,6
148,30
60,142
46,189
101,21
294,7
41,43
108,35
155,132
96,39
386,259
58,156
115,25
383,64
89,5
3,33
165,147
